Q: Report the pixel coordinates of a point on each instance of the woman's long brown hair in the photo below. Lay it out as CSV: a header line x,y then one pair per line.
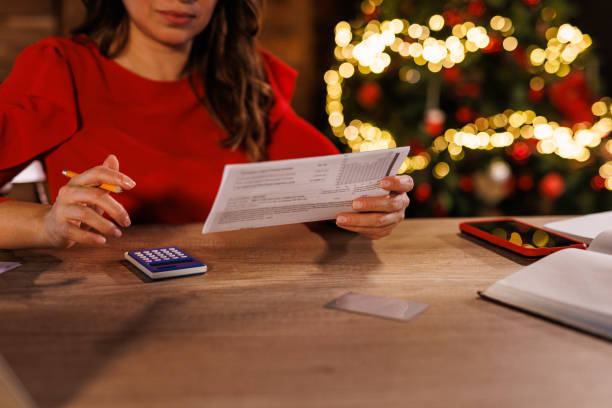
x,y
225,59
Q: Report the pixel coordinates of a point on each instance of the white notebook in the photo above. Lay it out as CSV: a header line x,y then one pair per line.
x,y
584,228
572,286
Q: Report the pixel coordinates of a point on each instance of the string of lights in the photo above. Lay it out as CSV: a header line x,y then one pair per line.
x,y
368,49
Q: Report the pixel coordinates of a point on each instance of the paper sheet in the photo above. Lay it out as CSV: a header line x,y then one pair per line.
x,y
572,276
390,308
584,228
300,190
7,266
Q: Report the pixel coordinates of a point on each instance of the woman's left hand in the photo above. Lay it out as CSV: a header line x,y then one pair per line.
x,y
376,217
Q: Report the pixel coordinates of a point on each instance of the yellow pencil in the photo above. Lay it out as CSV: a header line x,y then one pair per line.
x,y
110,187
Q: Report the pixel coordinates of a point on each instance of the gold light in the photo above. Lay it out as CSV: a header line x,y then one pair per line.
x,y
536,83
599,108
497,23
436,22
510,43
368,50
537,56
441,170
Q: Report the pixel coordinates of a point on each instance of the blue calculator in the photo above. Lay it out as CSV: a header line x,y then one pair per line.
x,y
161,263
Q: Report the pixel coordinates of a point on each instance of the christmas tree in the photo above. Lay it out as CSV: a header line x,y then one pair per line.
x,y
496,98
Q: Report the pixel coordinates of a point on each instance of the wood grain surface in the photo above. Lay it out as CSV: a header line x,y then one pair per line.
x,y
82,328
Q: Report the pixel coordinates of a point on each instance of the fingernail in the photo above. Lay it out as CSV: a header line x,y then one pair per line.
x,y
342,220
358,204
125,221
117,232
100,240
129,182
385,183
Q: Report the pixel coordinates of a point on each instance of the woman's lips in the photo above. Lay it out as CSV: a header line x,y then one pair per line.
x,y
176,17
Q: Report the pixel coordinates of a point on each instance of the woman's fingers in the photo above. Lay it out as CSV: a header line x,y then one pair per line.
x,y
97,198
78,213
87,216
376,217
369,220
73,234
402,184
102,175
390,203
369,232
111,162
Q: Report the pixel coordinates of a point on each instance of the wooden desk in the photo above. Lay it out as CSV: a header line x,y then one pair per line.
x,y
81,328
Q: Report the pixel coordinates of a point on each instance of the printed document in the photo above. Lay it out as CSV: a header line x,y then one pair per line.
x,y
299,190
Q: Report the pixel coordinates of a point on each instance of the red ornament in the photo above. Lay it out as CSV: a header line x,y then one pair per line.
x,y
552,185
571,97
466,184
476,8
520,57
531,2
369,94
452,18
464,114
541,28
598,183
520,151
469,90
535,96
422,192
451,74
525,182
495,45
416,147
434,122
439,210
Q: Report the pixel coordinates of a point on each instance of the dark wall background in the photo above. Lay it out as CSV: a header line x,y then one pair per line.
x,y
595,18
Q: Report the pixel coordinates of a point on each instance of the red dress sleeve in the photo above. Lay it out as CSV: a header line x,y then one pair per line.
x,y
291,136
37,107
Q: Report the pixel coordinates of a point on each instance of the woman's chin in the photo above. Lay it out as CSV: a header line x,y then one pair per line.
x,y
175,38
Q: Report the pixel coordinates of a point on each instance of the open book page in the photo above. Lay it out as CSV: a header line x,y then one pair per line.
x,y
573,286
584,228
602,243
300,190
574,276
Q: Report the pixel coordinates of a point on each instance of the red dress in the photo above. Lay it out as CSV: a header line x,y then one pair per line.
x,y
68,105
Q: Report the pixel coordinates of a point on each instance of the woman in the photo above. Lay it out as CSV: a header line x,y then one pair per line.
x,y
176,89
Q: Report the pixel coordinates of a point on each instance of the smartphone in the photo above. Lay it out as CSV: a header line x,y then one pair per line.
x,y
524,239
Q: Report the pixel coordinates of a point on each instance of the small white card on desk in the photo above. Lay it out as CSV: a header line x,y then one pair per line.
x,y
7,266
281,192
389,308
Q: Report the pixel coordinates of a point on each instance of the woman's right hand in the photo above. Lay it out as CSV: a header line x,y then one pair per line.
x,y
76,215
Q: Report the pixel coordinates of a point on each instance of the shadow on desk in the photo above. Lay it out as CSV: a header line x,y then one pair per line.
x,y
24,279
56,362
343,246
52,339
450,239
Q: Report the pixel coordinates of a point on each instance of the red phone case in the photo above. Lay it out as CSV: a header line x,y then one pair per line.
x,y
530,252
